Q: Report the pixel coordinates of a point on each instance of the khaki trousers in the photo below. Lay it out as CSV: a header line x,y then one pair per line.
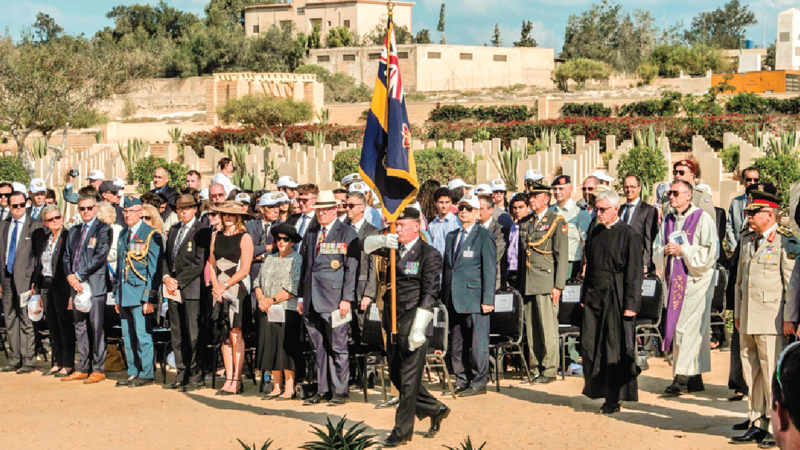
x,y
541,327
760,354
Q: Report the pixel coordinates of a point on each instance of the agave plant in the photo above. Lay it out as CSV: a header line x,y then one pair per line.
x,y
264,140
566,140
266,445
544,141
647,138
481,135
271,173
787,143
324,116
38,149
756,136
316,139
466,445
98,136
507,163
175,134
130,154
335,437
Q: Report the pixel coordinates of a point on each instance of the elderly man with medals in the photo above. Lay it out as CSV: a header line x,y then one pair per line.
x,y
136,295
685,253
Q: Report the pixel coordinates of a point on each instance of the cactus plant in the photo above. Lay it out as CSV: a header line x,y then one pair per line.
x,y
38,149
130,154
98,137
175,134
335,437
507,163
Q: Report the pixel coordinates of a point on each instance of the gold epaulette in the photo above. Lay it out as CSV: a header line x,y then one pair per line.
x,y
785,231
140,256
535,245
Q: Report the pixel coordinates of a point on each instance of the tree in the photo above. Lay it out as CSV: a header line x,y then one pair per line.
x,y
423,37
696,60
525,39
152,21
377,34
46,28
264,111
47,86
275,50
339,37
723,27
315,38
496,41
770,59
226,13
440,26
580,70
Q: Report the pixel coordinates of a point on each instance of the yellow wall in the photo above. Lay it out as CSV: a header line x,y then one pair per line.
x,y
757,82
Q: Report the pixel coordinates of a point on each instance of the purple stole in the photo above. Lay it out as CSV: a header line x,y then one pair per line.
x,y
678,275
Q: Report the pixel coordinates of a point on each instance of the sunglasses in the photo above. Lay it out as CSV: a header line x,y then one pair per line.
x,y
305,200
602,210
465,208
283,239
213,214
18,206
751,180
147,218
678,172
589,189
8,195
674,193
53,219
82,208
352,205
753,212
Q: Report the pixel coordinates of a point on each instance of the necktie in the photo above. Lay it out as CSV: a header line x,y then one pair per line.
x,y
402,251
461,238
302,230
35,214
12,248
322,235
626,216
265,233
79,251
759,238
178,242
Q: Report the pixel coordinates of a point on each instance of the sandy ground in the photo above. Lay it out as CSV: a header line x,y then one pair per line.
x,y
38,412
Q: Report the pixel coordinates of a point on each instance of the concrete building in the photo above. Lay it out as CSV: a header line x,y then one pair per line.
x,y
433,67
358,16
787,47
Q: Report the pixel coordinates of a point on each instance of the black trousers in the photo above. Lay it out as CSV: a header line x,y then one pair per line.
x,y
470,357
356,332
184,327
405,371
736,373
59,322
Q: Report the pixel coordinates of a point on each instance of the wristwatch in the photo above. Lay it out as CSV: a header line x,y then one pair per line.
x,y
226,285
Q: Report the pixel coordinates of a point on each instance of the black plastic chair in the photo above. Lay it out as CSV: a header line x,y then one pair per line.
x,y
162,341
506,332
570,313
371,343
648,321
114,337
718,301
438,344
3,333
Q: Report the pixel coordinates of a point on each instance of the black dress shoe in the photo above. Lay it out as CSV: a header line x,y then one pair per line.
x,y
472,391
64,375
458,390
736,398
192,386
753,435
744,426
392,402
679,386
395,441
436,422
10,368
126,381
176,385
767,442
25,369
140,382
50,372
695,383
339,399
608,409
544,380
317,399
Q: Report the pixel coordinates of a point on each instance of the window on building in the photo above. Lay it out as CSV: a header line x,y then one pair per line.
x,y
784,37
348,57
500,58
434,55
347,24
374,56
466,56
255,29
301,11
323,58
315,23
329,23
402,55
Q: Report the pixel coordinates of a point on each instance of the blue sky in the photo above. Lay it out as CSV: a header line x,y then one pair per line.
x,y
468,22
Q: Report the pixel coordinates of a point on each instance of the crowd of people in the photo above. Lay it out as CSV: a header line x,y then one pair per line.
x,y
222,266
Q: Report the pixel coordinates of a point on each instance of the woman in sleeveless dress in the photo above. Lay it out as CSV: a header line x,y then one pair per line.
x,y
231,254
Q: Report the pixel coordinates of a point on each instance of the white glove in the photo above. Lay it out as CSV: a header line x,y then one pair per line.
x,y
417,336
373,243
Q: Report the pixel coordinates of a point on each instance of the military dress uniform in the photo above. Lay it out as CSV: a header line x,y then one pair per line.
x,y
138,251
543,265
765,299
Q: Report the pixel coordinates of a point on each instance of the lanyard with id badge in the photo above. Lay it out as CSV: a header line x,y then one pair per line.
x,y
468,253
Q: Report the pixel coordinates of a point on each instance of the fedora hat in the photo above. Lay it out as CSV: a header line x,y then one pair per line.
x,y
230,207
185,201
326,199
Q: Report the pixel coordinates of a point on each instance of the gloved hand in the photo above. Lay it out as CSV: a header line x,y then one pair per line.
x,y
417,336
374,243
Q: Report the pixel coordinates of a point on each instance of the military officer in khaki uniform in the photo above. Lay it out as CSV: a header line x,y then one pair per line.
x,y
543,265
766,306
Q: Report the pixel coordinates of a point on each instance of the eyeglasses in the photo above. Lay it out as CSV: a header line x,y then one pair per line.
x,y
751,180
352,205
18,206
52,219
131,211
218,195
674,193
753,212
588,189
602,210
305,200
147,218
466,208
80,208
5,195
629,188
283,239
213,214
678,172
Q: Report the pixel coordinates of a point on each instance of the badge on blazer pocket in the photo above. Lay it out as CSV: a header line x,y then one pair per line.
x,y
334,264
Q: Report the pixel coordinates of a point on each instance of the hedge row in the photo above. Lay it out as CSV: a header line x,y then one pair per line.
x,y
497,114
441,164
585,110
294,135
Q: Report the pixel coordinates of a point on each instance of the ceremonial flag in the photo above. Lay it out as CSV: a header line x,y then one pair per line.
x,y
387,162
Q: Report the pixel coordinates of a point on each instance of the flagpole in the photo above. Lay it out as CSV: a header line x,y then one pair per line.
x,y
392,225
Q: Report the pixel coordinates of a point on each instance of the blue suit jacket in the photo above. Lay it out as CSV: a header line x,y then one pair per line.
x,y
132,291
469,282
327,279
93,266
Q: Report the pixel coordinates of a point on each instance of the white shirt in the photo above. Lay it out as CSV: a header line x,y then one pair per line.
x,y
406,247
488,222
630,208
358,224
16,237
303,227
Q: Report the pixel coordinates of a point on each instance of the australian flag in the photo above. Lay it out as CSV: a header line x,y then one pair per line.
x,y
387,162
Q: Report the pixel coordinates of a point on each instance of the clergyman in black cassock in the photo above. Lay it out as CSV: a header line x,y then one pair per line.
x,y
611,296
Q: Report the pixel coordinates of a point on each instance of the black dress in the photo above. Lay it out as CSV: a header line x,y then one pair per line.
x,y
228,253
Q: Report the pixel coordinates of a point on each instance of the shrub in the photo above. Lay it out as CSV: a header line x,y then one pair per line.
x,y
339,37
346,162
449,113
129,108
339,87
695,60
730,158
580,70
647,72
781,169
294,135
748,103
264,111
11,170
145,167
441,164
667,106
585,110
646,163
497,114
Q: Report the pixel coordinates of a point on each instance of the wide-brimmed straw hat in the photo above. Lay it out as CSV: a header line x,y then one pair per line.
x,y
230,207
325,199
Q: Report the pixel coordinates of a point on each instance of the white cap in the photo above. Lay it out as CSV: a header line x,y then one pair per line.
x,y
83,301
533,174
471,200
96,175
353,177
242,197
706,188
203,194
360,187
457,183
269,199
498,185
282,197
19,187
483,189
602,176
37,185
35,313
287,182
118,182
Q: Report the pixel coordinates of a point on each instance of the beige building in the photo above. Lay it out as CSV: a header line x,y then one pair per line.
x,y
433,67
358,16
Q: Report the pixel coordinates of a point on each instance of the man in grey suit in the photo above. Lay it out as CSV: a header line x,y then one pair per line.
x,y
18,263
499,232
86,260
470,274
328,277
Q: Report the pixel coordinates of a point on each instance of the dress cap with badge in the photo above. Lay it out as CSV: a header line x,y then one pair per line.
x,y
533,174
762,195
483,189
269,199
203,195
119,182
470,200
35,313
242,197
498,185
282,197
287,182
457,183
286,229
535,187
685,163
96,175
37,185
352,178
109,186
130,202
359,187
185,201
19,187
602,176
562,180
409,213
